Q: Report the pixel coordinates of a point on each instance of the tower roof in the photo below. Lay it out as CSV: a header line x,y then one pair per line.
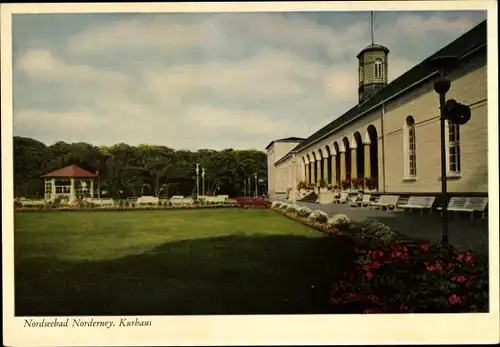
x,y
71,171
374,47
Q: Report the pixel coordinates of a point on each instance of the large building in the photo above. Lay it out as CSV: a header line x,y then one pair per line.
x,y
393,134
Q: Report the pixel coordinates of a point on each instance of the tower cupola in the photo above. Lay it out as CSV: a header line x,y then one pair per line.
x,y
373,69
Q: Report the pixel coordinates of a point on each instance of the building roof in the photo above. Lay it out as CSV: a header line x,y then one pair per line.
x,y
373,47
287,139
71,171
462,46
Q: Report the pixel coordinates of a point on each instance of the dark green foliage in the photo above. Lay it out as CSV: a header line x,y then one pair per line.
x,y
127,171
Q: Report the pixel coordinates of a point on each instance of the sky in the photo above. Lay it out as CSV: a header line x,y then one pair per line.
x,y
204,80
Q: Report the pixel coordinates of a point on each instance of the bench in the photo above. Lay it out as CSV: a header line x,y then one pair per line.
x,y
343,198
27,203
179,200
365,201
419,202
470,204
100,202
386,201
148,200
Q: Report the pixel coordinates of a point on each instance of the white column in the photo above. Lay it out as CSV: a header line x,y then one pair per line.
x,y
72,191
92,188
53,192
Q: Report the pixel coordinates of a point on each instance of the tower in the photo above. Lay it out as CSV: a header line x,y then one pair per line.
x,y
372,63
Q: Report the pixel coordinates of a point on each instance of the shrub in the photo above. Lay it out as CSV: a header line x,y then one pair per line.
x,y
375,233
284,206
340,221
304,212
291,208
318,216
412,277
275,204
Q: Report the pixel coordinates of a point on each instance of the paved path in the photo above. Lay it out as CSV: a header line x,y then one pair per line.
x,y
463,232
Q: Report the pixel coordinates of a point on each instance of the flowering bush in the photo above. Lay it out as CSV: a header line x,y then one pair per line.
x,y
412,277
291,209
318,216
357,182
374,233
251,202
346,183
340,221
284,206
371,182
304,212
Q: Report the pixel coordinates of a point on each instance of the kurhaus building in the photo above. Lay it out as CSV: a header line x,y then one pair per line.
x,y
393,135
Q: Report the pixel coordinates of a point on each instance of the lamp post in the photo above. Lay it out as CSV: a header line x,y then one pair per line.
x,y
245,188
249,185
197,181
256,185
203,181
455,113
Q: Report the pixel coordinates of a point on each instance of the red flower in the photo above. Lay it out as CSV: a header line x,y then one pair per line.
x,y
366,267
432,268
454,299
465,257
459,279
369,275
375,265
403,308
423,246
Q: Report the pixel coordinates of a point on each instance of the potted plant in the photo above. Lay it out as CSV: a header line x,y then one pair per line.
x,y
371,183
357,182
346,183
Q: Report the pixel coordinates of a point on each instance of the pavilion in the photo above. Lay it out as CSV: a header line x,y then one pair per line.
x,y
68,183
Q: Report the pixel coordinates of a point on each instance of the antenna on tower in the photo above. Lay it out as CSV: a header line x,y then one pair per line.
x,y
371,15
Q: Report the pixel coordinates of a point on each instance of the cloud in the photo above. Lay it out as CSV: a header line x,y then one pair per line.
x,y
41,63
415,26
206,80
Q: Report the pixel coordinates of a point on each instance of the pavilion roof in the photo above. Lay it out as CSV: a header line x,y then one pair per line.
x,y
71,171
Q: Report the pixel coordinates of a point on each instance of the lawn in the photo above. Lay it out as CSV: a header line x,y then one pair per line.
x,y
228,261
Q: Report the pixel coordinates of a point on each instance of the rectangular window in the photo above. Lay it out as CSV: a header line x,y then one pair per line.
x,y
454,148
412,153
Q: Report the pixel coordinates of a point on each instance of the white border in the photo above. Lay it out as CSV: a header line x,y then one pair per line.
x,y
256,330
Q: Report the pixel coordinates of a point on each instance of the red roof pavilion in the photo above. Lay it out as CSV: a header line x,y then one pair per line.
x,y
71,171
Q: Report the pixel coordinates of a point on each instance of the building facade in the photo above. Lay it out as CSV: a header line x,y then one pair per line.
x,y
392,136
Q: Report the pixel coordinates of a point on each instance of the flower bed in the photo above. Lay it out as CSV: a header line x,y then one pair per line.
x,y
251,202
392,273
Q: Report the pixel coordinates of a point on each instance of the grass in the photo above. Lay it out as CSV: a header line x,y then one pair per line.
x,y
224,261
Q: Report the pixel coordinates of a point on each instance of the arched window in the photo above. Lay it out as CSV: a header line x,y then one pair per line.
x,y
454,161
378,68
410,148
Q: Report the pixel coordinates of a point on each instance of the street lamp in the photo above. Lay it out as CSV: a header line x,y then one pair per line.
x,y
197,180
245,188
455,113
203,181
256,185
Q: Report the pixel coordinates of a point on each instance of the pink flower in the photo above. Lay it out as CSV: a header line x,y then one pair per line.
x,y
459,278
369,275
423,246
433,268
454,299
